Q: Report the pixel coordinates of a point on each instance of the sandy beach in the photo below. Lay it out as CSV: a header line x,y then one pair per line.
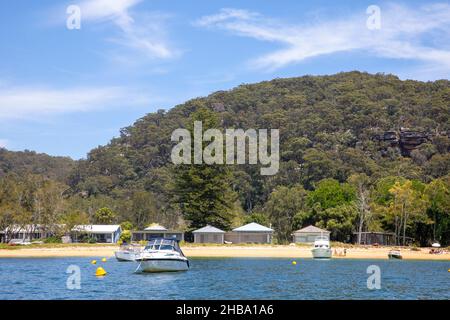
x,y
274,251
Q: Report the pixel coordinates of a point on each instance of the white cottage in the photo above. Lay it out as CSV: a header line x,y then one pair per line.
x,y
103,233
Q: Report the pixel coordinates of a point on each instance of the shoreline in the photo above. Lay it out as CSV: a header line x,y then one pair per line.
x,y
227,251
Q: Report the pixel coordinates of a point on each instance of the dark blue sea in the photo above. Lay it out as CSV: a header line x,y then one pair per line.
x,y
237,278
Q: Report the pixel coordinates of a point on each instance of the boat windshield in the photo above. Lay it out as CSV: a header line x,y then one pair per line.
x,y
162,244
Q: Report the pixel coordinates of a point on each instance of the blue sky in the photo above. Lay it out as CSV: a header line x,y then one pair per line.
x,y
65,92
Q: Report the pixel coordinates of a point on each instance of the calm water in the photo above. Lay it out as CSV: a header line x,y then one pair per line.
x,y
227,279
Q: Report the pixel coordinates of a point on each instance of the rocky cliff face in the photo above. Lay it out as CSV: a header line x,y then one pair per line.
x,y
406,140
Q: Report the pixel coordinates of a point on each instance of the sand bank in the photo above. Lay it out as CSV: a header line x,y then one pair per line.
x,y
275,251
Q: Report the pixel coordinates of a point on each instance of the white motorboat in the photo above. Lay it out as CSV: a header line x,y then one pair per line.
x,y
321,248
128,252
161,255
395,254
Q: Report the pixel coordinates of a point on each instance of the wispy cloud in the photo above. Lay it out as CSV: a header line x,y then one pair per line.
x,y
38,103
144,32
421,34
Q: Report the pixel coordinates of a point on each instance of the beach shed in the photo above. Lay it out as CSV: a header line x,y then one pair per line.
x,y
102,233
309,234
250,233
208,234
156,231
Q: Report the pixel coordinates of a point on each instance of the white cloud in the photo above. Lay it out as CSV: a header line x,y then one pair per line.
x,y
38,103
421,34
147,34
3,143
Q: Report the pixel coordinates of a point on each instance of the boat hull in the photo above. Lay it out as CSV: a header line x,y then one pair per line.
x,y
321,253
163,265
124,256
394,256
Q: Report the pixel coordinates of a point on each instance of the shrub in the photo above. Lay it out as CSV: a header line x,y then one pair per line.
x,y
125,236
92,240
53,239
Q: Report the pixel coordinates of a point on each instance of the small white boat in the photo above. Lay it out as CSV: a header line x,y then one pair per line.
x,y
395,254
321,248
128,252
161,255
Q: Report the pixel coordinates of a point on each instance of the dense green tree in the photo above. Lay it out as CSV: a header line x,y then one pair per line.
x,y
144,209
104,216
329,193
257,217
203,191
438,193
340,220
407,205
283,205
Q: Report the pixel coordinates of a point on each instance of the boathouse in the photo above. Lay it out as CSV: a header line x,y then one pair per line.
x,y
102,233
309,234
250,233
209,234
156,231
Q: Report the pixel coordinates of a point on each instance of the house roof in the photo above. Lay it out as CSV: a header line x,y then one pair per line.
x,y
208,229
97,228
253,227
30,227
312,229
155,227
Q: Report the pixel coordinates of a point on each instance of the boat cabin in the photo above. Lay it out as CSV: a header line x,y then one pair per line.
x,y
163,244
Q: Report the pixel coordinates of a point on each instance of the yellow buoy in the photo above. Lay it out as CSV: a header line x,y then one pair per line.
x,y
294,262
94,261
100,272
448,270
104,260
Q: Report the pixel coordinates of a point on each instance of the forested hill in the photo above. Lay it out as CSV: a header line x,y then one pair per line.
x,y
30,162
331,125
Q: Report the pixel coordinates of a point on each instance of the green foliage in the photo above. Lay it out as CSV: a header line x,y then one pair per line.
x,y
104,216
203,192
340,220
259,218
125,236
283,206
329,193
52,240
126,225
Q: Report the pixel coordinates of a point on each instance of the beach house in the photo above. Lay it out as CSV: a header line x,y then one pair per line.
x,y
309,234
102,233
156,231
29,232
209,234
250,233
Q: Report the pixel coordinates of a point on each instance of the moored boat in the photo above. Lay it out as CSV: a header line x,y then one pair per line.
x,y
395,254
321,248
161,255
128,252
